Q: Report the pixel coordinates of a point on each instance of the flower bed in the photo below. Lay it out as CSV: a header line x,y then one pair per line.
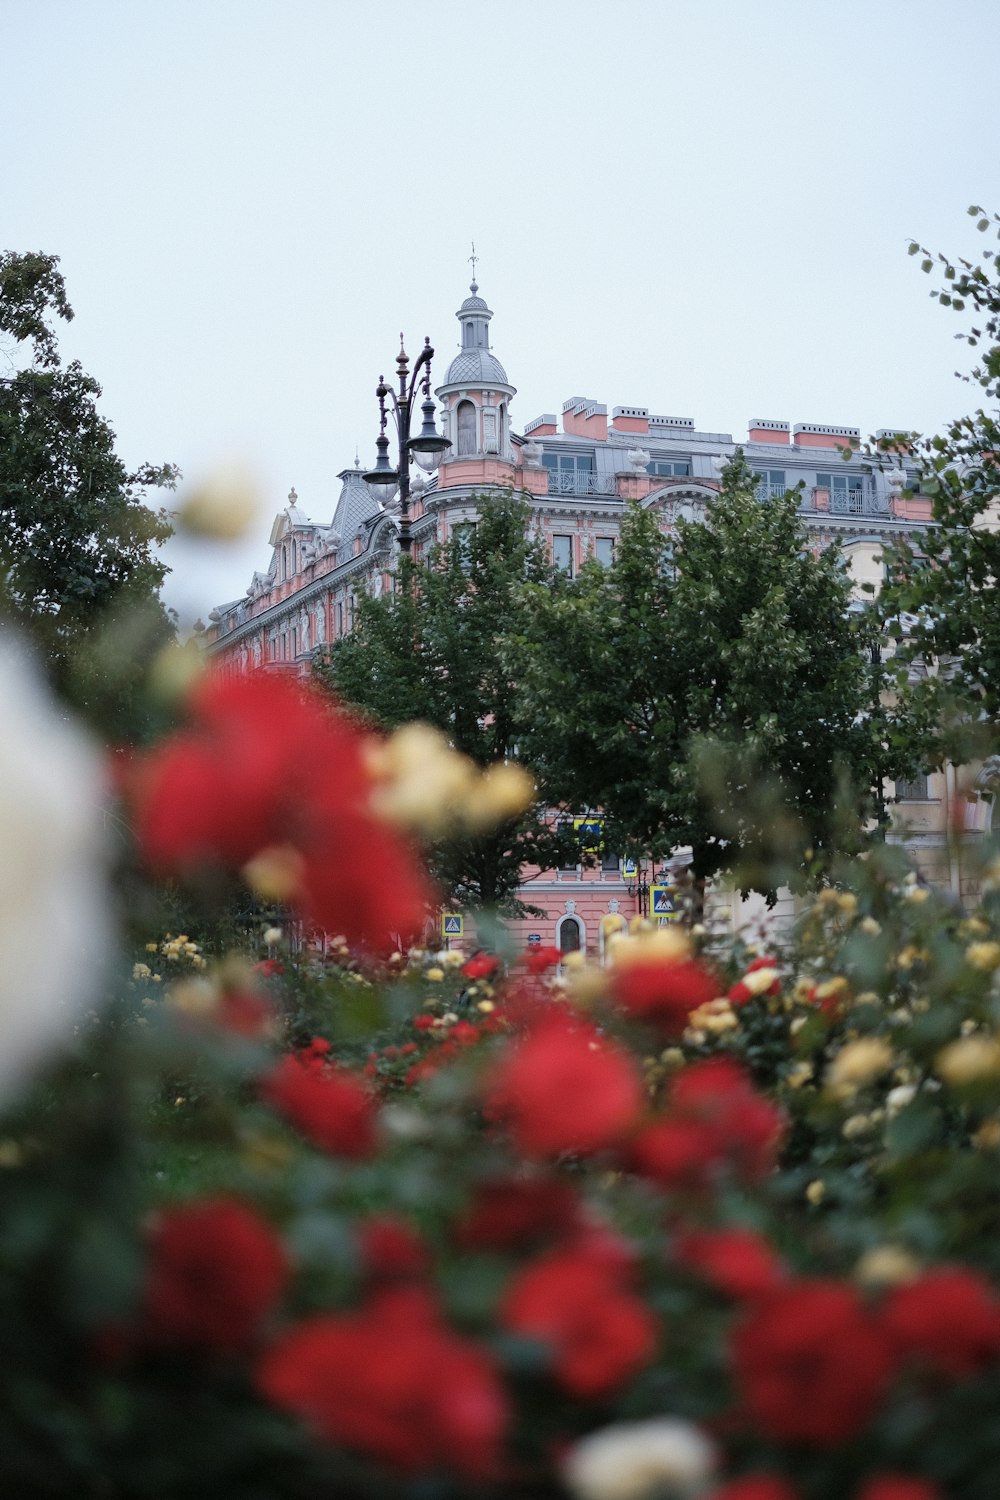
x,y
706,1223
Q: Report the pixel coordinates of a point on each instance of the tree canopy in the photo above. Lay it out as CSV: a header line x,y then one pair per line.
x,y
434,650
947,589
663,689
77,542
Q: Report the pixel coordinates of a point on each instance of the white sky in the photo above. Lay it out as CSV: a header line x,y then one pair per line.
x,y
698,206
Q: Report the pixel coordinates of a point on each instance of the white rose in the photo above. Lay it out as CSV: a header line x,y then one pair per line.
x,y
54,909
633,1460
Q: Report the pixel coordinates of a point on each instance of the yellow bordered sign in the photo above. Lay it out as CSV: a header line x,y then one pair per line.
x,y
663,904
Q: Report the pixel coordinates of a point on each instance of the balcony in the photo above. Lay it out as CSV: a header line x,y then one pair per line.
x,y
580,482
766,491
860,500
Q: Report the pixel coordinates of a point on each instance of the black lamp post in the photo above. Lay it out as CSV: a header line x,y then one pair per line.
x,y
638,889
428,441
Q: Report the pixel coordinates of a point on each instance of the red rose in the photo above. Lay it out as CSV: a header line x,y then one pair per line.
x,y
948,1319
899,1487
245,1013
715,1122
215,1272
578,1303
677,1153
756,1487
464,1033
662,992
392,1250
510,1211
538,959
330,1107
738,1262
394,1384
267,763
480,966
811,1363
564,1088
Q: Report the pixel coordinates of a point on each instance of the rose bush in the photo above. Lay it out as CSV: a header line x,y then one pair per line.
x,y
334,1215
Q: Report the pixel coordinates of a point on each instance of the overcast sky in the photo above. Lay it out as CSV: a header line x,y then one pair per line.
x,y
698,206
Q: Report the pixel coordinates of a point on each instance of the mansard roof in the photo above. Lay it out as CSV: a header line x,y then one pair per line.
x,y
357,503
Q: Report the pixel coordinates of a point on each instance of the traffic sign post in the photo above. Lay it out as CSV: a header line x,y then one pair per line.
x,y
452,925
663,904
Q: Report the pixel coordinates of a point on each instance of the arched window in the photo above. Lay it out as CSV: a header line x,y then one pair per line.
x,y
466,427
503,428
570,935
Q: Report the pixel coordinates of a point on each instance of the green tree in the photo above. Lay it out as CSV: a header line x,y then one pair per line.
x,y
666,689
78,565
433,650
943,597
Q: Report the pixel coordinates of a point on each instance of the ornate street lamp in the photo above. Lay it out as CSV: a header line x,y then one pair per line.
x,y
638,888
426,447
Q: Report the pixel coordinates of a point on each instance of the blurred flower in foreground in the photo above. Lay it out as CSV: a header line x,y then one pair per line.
x,y
223,506
427,787
271,780
54,915
638,1460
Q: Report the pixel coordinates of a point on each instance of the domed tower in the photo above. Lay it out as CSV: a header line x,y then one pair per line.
x,y
476,393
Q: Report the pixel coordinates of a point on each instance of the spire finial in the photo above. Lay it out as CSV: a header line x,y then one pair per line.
x,y
473,286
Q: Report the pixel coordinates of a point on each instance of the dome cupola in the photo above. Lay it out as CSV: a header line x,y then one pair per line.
x,y
476,393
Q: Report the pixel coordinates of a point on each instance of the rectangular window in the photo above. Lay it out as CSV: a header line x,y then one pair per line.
x,y
678,466
770,483
565,826
604,550
912,791
562,553
569,473
609,864
846,492
463,534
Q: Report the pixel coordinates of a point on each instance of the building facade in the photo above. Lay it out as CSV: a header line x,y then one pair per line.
x,y
577,469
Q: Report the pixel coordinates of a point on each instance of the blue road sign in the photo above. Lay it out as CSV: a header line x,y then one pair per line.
x,y
662,901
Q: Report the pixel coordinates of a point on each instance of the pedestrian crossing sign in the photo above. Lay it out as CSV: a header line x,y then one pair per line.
x,y
663,904
452,924
591,829
628,869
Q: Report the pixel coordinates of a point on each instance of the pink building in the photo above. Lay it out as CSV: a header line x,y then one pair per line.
x,y
577,469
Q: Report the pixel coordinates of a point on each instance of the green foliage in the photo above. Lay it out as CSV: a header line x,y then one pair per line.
x,y
948,583
434,651
77,541
728,637
897,1166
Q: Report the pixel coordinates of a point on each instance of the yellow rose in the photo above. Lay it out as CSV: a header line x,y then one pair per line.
x,y
886,1265
858,1064
985,956
969,1060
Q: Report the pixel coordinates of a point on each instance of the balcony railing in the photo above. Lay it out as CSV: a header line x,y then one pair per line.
x,y
579,482
767,491
864,500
